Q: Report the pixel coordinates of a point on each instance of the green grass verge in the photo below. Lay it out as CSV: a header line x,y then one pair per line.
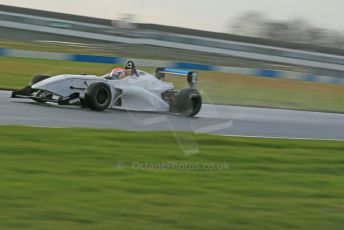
x,y
68,179
216,87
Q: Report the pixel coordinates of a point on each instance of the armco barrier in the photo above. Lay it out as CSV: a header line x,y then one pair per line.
x,y
171,64
268,73
2,52
95,59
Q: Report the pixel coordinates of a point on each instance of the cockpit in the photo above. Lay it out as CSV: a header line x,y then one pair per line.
x,y
120,73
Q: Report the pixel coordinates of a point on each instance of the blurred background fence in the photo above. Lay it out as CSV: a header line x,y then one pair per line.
x,y
211,51
172,64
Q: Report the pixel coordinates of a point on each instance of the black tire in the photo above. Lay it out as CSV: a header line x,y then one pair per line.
x,y
98,96
35,80
189,102
83,103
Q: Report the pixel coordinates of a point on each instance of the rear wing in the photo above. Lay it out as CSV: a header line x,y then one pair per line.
x,y
191,76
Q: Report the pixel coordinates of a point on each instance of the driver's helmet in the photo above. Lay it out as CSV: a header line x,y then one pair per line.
x,y
117,73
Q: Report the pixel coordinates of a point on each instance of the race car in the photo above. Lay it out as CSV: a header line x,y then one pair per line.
x,y
126,89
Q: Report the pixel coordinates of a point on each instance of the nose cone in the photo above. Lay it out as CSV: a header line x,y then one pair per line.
x,y
62,84
53,81
41,85
59,85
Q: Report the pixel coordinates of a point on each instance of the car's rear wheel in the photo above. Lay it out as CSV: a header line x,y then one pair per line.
x,y
35,80
189,102
98,96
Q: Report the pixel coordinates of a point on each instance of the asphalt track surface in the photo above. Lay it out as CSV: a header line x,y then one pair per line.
x,y
214,119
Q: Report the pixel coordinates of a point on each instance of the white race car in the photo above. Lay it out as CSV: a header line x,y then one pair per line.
x,y
130,89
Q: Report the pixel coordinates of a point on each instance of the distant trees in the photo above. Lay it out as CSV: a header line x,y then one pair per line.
x,y
255,24
250,24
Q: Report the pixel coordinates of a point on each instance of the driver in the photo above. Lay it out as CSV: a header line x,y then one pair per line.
x,y
120,73
117,74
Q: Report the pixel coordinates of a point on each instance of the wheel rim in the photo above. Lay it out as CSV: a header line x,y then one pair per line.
x,y
102,96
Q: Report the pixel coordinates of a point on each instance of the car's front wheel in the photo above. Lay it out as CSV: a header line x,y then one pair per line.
x,y
98,96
